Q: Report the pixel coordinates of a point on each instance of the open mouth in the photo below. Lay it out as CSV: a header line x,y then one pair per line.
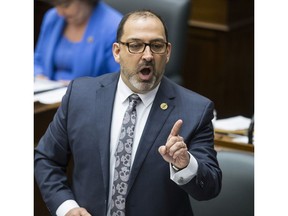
x,y
146,73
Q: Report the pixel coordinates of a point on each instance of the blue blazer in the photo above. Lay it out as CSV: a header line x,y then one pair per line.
x,y
81,130
93,57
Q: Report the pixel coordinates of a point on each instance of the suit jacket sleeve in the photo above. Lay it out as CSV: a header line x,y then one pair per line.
x,y
207,183
51,158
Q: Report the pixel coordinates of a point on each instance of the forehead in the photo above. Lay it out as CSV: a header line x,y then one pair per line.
x,y
144,28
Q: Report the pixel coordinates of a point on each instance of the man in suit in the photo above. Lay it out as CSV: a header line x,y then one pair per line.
x,y
173,152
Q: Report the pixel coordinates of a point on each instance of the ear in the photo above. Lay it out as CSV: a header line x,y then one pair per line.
x,y
116,51
169,48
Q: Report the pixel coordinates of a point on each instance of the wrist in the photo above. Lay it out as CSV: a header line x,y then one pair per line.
x,y
176,168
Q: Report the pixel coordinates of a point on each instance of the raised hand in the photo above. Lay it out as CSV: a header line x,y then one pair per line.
x,y
175,149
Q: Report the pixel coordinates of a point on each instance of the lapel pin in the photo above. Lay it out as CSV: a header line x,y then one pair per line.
x,y
90,39
163,106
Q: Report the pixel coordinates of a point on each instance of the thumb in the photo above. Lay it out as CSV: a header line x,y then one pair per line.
x,y
162,150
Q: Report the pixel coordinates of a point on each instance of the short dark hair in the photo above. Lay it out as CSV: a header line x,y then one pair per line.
x,y
139,13
59,2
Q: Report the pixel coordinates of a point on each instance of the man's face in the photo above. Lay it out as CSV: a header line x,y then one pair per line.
x,y
142,71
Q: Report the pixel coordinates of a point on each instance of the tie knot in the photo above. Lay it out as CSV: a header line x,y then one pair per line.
x,y
134,99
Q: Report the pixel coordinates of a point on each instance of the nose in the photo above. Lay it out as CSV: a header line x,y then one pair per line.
x,y
147,54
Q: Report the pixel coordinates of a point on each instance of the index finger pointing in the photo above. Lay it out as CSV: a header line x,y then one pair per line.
x,y
176,128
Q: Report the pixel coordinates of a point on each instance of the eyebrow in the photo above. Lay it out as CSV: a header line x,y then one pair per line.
x,y
140,40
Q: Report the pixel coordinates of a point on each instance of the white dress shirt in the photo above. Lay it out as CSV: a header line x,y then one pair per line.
x,y
143,108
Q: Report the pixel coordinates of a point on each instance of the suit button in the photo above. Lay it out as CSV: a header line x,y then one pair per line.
x,y
201,184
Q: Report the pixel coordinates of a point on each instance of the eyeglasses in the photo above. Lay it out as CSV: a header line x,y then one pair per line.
x,y
136,47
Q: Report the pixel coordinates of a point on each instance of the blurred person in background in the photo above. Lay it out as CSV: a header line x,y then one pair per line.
x,y
75,40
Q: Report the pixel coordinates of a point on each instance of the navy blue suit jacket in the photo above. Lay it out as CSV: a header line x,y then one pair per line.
x,y
81,129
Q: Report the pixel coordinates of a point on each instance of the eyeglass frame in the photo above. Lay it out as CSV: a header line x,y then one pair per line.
x,y
146,44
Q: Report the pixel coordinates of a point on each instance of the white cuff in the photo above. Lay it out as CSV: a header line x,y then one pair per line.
x,y
65,207
185,175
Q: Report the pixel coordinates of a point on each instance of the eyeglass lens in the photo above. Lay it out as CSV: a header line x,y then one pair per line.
x,y
139,47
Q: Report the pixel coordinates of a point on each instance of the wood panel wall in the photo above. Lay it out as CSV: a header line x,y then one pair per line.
x,y
219,60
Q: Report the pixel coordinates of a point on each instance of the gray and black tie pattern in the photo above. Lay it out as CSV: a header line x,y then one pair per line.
x,y
123,158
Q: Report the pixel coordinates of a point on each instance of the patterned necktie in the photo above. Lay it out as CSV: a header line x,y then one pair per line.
x,y
123,158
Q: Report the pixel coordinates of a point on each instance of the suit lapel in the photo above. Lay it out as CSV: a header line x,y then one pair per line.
x,y
157,117
104,115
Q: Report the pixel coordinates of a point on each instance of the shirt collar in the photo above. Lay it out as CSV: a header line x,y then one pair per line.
x,y
124,92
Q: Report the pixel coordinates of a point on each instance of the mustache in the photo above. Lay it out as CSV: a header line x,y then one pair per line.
x,y
146,64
